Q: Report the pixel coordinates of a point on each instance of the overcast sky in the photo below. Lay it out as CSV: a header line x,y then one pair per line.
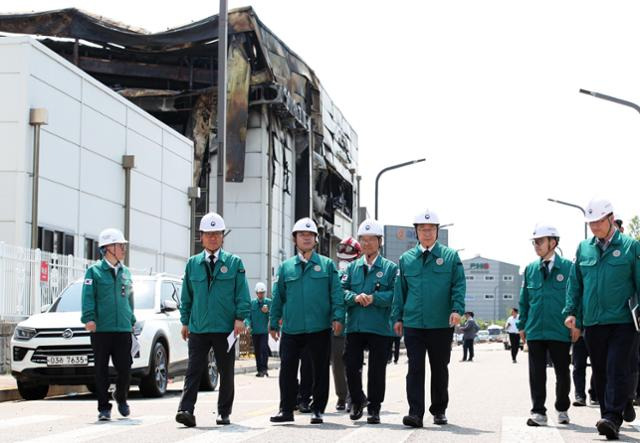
x,y
487,91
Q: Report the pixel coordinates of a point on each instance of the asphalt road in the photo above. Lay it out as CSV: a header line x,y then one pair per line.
x,y
489,402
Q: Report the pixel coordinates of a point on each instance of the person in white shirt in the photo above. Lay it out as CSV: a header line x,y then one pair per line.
x,y
514,335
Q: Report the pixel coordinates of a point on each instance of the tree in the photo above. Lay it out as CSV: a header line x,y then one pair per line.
x,y
633,230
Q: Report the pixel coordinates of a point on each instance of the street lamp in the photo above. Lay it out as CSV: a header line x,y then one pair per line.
x,y
611,99
37,118
573,206
400,165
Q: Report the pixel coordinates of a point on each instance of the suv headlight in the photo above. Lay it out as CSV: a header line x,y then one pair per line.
x,y
22,333
137,328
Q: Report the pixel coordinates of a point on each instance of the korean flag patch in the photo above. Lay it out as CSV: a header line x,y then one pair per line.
x,y
88,281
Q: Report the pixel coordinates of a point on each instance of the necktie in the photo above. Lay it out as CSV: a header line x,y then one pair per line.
x,y
425,254
365,269
545,268
212,263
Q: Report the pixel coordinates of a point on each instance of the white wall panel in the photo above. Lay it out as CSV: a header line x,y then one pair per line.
x,y
8,196
101,177
13,54
103,135
148,154
64,111
178,144
142,261
13,105
144,125
249,191
55,72
57,206
97,214
12,146
174,266
145,230
175,239
175,206
242,215
59,160
145,194
176,171
102,101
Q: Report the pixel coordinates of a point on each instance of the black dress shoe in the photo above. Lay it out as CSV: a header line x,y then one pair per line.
x,y
304,408
259,374
373,418
608,429
440,419
282,417
356,412
223,419
186,418
340,406
580,401
629,414
412,420
316,418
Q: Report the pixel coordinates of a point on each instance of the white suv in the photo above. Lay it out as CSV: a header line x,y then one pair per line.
x,y
53,348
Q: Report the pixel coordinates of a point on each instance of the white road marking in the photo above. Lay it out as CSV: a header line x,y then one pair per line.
x,y
235,432
100,429
28,420
515,429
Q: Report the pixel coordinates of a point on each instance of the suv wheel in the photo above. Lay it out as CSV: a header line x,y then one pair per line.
x,y
155,384
209,380
30,391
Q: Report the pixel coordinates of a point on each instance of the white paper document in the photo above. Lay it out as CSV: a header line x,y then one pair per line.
x,y
231,339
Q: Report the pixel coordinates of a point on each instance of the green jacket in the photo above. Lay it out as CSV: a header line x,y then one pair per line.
x,y
542,301
601,283
214,306
426,294
379,281
258,321
107,299
307,300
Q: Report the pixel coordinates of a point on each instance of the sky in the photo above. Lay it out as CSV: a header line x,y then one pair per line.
x,y
486,91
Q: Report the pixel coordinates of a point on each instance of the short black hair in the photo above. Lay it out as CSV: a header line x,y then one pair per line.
x,y
514,309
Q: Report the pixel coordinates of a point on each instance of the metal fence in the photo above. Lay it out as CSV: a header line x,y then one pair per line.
x,y
30,279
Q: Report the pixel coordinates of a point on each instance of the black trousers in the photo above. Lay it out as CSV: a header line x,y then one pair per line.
x,y
116,345
467,345
338,368
292,346
559,352
437,344
199,346
611,348
579,356
394,349
378,346
261,350
514,341
305,384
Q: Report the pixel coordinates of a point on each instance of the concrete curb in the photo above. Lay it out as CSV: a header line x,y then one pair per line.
x,y
11,394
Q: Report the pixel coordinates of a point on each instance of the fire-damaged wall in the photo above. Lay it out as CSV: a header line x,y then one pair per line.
x,y
290,152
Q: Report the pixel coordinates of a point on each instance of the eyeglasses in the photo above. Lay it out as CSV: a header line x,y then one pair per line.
x,y
538,241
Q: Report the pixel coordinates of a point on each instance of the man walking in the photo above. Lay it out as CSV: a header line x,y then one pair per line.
x,y
258,324
469,331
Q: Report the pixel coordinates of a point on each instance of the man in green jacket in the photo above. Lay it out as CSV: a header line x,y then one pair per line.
x,y
308,298
541,324
258,325
215,302
368,284
427,303
107,312
603,279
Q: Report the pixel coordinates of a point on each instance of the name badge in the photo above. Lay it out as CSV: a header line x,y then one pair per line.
x,y
440,261
560,277
317,268
224,269
379,274
616,253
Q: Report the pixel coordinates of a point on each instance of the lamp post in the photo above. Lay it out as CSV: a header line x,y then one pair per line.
x,y
560,202
128,163
221,136
389,168
37,118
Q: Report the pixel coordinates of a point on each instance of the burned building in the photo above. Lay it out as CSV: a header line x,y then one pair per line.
x,y
290,152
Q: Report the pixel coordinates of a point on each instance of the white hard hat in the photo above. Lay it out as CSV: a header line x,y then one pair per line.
x,y
212,222
428,217
597,209
261,287
370,227
544,230
305,225
111,236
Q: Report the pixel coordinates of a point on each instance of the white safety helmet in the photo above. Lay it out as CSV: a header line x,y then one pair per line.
x,y
428,217
261,287
212,222
370,227
597,209
111,236
544,230
305,225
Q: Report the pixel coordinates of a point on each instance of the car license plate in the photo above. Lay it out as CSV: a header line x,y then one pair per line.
x,y
67,360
